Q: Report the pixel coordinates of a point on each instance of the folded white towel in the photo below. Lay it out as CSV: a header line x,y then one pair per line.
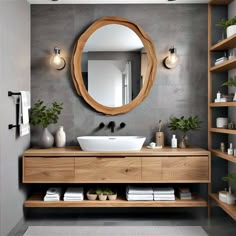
x,y
51,199
24,113
163,190
164,198
74,192
52,191
73,199
139,190
141,197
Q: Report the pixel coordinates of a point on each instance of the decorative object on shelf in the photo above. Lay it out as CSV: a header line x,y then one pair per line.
x,y
229,26
231,125
60,137
230,149
160,135
42,116
222,122
92,195
235,152
171,60
231,180
231,83
222,147
112,195
174,141
184,125
220,60
57,61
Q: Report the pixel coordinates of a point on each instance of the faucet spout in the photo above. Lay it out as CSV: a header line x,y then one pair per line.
x,y
111,126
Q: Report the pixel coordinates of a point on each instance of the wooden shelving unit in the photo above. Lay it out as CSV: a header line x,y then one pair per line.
x,y
230,209
223,131
223,45
224,155
37,201
225,66
223,104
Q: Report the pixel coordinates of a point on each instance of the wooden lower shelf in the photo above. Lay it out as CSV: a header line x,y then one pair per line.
x,y
230,209
223,155
37,201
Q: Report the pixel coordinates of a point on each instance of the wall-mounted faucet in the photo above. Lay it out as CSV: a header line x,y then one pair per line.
x,y
111,126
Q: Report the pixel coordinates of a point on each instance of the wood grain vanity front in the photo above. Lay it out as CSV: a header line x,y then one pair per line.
x,y
146,166
108,169
48,170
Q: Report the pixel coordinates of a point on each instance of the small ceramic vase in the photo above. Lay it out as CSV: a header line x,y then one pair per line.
x,y
47,139
60,137
160,139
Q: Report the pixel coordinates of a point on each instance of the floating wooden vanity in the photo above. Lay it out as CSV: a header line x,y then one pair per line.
x,y
71,165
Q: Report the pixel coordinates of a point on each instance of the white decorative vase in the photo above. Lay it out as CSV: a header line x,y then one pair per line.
x,y
230,199
231,30
60,137
47,139
234,99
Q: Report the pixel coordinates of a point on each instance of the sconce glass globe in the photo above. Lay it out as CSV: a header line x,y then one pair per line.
x,y
57,61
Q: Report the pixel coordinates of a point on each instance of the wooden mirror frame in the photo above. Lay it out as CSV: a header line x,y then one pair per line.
x,y
76,67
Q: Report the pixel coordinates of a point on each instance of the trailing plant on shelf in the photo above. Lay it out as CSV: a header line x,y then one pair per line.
x,y
231,180
43,116
228,25
184,125
231,83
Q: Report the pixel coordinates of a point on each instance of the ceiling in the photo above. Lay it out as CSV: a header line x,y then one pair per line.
x,y
116,1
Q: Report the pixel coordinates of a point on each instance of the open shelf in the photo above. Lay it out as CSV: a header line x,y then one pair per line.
x,y
225,44
224,155
37,201
227,65
223,131
230,209
223,104
220,2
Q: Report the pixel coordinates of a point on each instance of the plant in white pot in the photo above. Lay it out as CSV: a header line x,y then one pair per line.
x,y
229,26
43,116
231,180
231,83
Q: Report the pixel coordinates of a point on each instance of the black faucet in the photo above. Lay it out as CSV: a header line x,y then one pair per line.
x,y
111,126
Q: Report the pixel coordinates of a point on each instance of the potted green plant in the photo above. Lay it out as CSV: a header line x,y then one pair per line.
x,y
101,194
231,83
91,194
43,116
231,180
184,125
229,26
112,195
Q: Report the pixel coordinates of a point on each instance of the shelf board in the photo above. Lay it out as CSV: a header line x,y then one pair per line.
x,y
225,44
229,209
223,155
220,2
224,131
223,104
37,201
227,65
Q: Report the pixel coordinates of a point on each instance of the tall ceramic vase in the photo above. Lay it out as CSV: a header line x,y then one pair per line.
x,y
47,139
60,137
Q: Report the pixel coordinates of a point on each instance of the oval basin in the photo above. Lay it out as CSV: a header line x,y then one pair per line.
x,y
111,143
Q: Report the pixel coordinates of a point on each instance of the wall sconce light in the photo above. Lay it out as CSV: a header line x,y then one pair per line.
x,y
171,61
57,61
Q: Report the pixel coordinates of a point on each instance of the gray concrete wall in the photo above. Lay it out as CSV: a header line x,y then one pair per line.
x,y
177,92
232,112
14,75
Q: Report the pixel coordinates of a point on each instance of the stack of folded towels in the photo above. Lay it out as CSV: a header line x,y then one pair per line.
x,y
53,194
74,194
135,193
164,194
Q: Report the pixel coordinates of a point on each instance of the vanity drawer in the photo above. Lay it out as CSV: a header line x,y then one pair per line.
x,y
152,168
108,169
185,169
48,169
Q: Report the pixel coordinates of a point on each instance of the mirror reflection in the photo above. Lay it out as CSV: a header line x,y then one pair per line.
x,y
114,64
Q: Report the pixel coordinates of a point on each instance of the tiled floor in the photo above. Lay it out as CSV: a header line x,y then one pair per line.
x,y
220,224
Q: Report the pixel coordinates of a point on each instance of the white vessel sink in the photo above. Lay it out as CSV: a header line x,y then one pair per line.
x,y
111,143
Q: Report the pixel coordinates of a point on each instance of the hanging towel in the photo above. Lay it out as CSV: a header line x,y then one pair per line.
x,y
24,113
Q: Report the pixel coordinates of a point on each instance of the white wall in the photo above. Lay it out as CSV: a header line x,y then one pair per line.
x,y
232,112
101,87
15,76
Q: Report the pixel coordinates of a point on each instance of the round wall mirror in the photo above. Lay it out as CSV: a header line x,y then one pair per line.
x,y
114,65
